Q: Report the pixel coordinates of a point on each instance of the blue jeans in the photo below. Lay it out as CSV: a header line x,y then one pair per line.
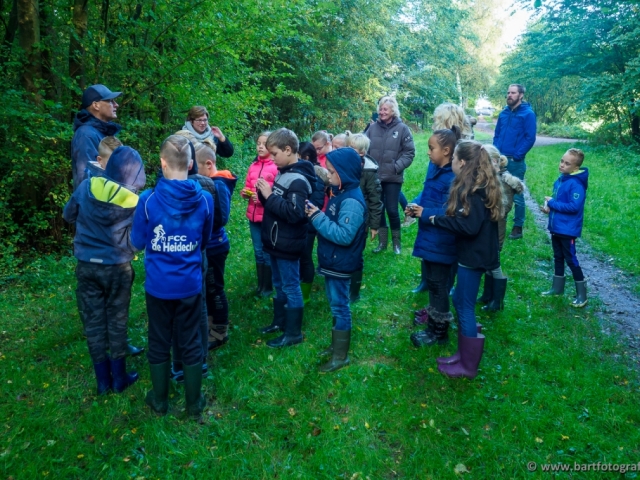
x,y
286,280
517,169
464,299
261,257
338,295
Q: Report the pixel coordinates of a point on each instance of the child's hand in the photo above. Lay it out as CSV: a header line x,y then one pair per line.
x,y
416,211
374,233
264,187
309,208
247,193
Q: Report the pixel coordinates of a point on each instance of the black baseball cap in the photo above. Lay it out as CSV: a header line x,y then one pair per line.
x,y
95,93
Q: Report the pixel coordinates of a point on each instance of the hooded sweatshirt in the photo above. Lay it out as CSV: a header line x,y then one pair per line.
x,y
567,205
515,131
173,223
102,209
342,228
89,132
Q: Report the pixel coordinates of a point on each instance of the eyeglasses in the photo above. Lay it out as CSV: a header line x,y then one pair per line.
x,y
200,120
112,101
319,149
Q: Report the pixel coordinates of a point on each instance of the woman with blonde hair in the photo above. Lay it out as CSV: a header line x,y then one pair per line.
x,y
448,114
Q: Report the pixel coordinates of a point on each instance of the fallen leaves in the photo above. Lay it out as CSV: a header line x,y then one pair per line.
x,y
460,469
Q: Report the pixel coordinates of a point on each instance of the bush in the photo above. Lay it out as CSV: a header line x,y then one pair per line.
x,y
562,130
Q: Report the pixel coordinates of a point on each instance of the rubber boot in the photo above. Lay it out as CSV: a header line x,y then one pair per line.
x,y
437,331
421,317
158,398
218,336
581,295
259,275
329,349
278,318
306,292
354,289
395,239
340,341
470,349
194,400
267,281
292,329
487,293
121,379
516,233
499,291
557,287
383,240
103,376
423,279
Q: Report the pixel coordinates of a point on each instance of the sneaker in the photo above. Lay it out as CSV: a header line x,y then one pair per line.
x,y
408,221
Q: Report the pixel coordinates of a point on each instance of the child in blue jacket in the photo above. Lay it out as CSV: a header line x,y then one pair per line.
x,y
566,214
342,235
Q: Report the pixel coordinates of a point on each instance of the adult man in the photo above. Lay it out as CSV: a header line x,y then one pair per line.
x,y
92,123
514,136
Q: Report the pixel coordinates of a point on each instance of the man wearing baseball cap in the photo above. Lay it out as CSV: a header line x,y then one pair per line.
x,y
91,124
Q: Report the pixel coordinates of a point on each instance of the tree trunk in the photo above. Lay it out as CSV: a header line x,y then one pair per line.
x,y
29,36
76,43
10,33
635,127
47,37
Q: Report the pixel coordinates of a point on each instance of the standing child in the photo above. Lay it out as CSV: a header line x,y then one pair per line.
x,y
473,211
284,233
322,142
566,215
342,235
435,246
102,209
262,167
173,223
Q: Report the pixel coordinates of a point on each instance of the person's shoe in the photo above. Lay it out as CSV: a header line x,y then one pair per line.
x,y
121,379
423,287
383,240
437,331
267,281
499,291
306,292
470,349
422,319
133,351
557,287
194,400
218,336
395,239
292,329
103,376
581,295
516,233
340,341
420,313
259,267
354,289
158,397
278,318
408,221
487,293
177,375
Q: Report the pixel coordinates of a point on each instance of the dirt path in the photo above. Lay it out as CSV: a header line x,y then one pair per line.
x,y
620,307
541,141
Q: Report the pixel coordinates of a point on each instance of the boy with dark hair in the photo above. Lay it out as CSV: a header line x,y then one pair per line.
x,y
566,215
173,224
284,233
102,209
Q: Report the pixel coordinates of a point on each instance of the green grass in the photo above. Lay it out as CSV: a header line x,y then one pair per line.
x,y
552,386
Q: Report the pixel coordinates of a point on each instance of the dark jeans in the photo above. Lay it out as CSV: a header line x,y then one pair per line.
x,y
338,295
438,278
261,257
307,268
518,169
286,280
564,250
464,299
389,197
186,315
217,304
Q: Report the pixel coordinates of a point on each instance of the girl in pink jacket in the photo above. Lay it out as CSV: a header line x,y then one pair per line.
x,y
262,167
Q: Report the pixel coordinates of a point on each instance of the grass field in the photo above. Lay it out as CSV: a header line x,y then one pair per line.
x,y
552,387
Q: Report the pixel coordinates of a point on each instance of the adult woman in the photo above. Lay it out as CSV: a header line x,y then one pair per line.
x,y
447,115
198,124
392,147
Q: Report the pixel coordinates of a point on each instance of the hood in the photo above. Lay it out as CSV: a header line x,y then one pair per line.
x,y
369,163
348,166
581,175
227,177
108,203
179,197
521,108
84,118
126,168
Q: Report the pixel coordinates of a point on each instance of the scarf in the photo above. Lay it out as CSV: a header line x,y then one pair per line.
x,y
201,137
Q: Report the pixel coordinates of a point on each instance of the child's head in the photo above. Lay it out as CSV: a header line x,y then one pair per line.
x,y
359,142
125,167
283,147
345,168
175,156
571,161
206,160
307,151
340,140
105,149
261,144
322,142
447,115
497,160
474,170
442,143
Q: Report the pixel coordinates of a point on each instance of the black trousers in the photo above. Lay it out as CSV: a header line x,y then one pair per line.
x,y
307,268
438,278
183,316
390,196
217,304
564,250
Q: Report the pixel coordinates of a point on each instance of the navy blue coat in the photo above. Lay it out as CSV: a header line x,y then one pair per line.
x,y
432,243
515,131
567,205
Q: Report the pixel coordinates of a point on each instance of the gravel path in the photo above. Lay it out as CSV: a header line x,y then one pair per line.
x,y
541,141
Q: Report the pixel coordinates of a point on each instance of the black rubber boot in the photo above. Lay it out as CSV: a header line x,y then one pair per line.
x,y
329,349
158,398
437,331
195,402
557,287
383,240
581,295
499,291
103,376
487,293
340,341
395,239
121,379
423,279
267,281
278,318
354,289
292,329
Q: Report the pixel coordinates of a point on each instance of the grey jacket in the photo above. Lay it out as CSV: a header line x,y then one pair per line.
x,y
392,147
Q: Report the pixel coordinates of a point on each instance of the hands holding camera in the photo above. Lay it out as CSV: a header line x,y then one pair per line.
x,y
413,210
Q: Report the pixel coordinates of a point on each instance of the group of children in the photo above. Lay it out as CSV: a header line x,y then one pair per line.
x,y
295,193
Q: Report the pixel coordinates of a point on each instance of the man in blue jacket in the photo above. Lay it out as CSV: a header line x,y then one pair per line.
x,y
514,136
